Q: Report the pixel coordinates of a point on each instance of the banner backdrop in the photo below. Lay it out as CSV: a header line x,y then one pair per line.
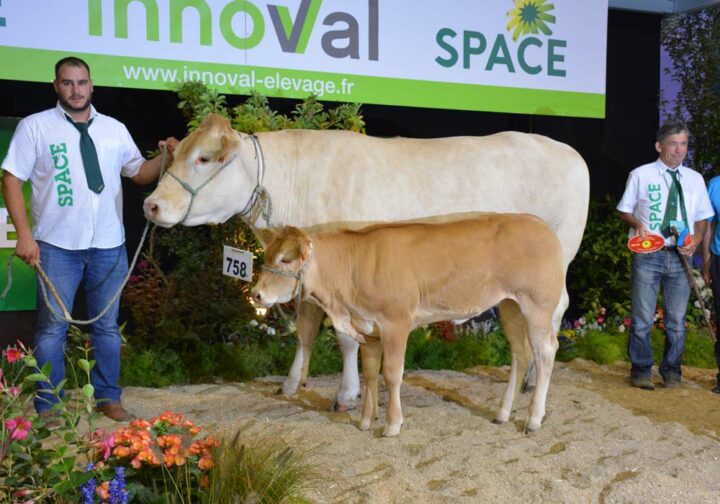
x,y
22,294
523,56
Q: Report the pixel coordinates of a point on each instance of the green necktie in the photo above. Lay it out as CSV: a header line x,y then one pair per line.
x,y
89,157
671,208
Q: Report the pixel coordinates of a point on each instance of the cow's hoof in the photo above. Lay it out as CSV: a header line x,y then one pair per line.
x,y
391,430
498,421
342,407
527,388
529,429
365,425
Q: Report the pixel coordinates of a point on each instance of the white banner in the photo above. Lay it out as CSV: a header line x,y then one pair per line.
x,y
529,56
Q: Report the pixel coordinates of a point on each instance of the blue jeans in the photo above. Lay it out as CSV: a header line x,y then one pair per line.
x,y
102,272
649,271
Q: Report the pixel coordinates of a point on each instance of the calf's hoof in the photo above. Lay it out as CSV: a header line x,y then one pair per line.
x,y
498,421
365,424
288,390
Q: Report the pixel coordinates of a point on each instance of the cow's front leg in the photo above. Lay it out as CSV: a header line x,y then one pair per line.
x,y
371,355
394,342
349,390
308,323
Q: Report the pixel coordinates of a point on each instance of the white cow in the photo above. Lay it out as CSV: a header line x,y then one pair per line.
x,y
322,180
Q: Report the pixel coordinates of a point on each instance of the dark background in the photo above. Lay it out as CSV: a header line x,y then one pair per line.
x,y
611,146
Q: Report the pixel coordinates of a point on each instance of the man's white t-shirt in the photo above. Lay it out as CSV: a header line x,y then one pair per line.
x,y
45,149
646,194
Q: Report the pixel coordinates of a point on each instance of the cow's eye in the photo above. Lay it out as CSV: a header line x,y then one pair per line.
x,y
285,260
203,160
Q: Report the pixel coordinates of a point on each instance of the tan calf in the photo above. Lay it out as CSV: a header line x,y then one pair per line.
x,y
379,283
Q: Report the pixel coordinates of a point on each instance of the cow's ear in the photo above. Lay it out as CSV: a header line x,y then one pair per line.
x,y
229,143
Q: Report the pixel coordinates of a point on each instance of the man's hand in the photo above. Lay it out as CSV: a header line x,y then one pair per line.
x,y
169,143
27,249
690,248
706,273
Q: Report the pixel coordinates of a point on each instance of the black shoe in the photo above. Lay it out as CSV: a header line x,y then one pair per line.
x,y
642,382
716,390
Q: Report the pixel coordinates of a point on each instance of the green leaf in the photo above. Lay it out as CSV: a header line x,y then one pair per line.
x,y
84,365
36,377
88,390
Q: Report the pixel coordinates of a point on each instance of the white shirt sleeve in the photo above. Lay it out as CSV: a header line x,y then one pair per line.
x,y
132,159
21,156
629,198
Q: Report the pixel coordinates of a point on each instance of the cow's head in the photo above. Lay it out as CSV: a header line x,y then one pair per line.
x,y
207,163
285,261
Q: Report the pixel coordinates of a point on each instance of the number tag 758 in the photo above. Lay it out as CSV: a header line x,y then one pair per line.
x,y
237,263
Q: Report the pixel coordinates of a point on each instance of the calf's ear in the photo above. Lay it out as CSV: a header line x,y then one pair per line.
x,y
267,236
306,249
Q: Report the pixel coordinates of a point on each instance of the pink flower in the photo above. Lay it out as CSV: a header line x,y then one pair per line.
x,y
603,311
143,265
14,391
106,446
13,354
601,320
133,279
19,427
627,321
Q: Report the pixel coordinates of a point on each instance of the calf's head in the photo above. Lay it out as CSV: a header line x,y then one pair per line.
x,y
285,261
200,165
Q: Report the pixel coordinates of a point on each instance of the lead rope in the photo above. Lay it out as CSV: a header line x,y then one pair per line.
x,y
65,316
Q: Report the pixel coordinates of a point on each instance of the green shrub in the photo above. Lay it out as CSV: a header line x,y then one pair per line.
x,y
602,347
427,350
599,276
153,367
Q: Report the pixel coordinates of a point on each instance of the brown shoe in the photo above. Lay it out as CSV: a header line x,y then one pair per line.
x,y
51,419
114,411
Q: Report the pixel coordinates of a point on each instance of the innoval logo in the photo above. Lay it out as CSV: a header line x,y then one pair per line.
x,y
530,17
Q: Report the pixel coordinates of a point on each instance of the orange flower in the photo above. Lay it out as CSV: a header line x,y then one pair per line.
x,y
206,462
103,490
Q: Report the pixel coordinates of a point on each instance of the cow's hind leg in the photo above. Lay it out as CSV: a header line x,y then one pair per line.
x,y
371,355
308,322
515,327
544,343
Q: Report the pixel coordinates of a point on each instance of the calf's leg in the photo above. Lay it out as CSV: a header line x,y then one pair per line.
x,y
371,355
515,327
394,342
544,344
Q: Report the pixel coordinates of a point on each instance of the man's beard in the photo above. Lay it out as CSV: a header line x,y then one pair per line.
x,y
67,105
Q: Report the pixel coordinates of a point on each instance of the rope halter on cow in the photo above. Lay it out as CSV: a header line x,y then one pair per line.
x,y
259,192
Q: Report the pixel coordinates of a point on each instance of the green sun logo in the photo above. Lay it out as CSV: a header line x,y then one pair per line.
x,y
530,16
